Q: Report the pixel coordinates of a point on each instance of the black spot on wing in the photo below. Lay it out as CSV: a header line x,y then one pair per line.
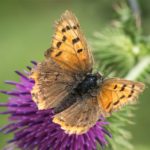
x,y
63,30
64,38
58,44
108,105
115,103
115,86
80,50
74,41
58,54
75,27
123,96
131,93
68,28
123,87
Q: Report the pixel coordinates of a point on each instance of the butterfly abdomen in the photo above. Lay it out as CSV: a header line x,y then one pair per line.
x,y
66,103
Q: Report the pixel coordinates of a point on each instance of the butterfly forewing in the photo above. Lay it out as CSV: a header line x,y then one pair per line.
x,y
52,84
69,48
67,61
116,93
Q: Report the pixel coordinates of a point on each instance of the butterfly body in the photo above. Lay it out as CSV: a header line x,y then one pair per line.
x,y
88,85
65,83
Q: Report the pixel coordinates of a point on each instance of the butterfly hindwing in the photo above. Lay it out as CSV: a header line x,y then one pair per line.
x,y
69,48
79,117
116,93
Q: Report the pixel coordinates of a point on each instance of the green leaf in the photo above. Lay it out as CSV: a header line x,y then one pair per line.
x,y
122,51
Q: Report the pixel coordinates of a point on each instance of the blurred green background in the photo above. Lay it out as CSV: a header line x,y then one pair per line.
x,y
26,27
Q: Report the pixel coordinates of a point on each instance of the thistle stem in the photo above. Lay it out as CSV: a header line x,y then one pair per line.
x,y
138,69
136,12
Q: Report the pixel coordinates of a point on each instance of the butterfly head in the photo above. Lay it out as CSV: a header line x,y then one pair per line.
x,y
95,79
91,80
100,79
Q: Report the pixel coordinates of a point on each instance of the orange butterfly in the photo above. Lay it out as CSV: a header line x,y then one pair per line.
x,y
64,81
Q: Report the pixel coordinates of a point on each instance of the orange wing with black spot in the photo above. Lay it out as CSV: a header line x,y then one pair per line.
x,y
67,61
69,48
116,93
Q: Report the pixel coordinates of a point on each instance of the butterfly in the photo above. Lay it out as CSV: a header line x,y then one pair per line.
x,y
65,82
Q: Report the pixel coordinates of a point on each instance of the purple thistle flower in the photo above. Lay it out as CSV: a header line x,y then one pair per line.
x,y
34,129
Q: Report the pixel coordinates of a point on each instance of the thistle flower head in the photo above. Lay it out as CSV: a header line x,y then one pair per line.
x,y
34,129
